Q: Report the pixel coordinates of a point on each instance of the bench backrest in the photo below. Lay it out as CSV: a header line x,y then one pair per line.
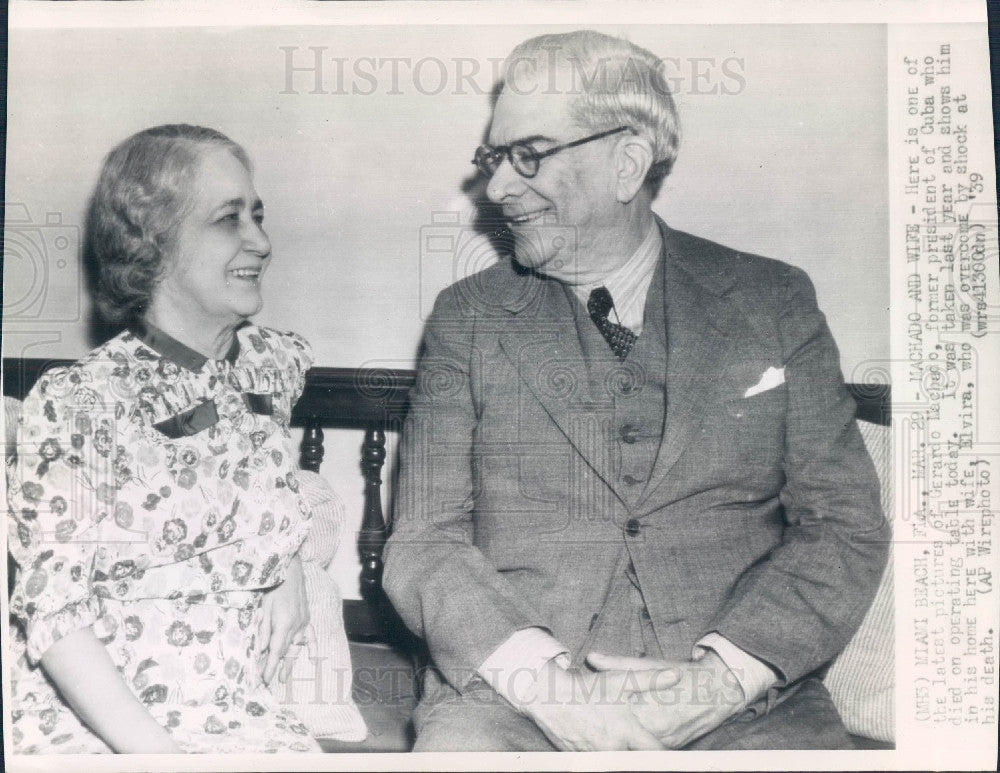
x,y
375,401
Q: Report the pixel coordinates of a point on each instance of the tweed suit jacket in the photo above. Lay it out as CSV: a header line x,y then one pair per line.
x,y
760,520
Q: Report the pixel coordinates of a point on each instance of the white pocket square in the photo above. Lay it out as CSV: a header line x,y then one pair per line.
x,y
773,377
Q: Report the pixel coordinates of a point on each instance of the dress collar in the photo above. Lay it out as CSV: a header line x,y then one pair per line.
x,y
166,345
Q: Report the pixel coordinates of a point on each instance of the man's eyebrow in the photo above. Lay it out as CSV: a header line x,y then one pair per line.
x,y
533,138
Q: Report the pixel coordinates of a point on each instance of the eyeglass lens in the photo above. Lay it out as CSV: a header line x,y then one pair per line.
x,y
522,157
524,160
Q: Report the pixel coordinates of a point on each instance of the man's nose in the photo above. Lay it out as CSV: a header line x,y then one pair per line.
x,y
504,183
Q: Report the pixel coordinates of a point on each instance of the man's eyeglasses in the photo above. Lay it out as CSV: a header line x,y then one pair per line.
x,y
523,157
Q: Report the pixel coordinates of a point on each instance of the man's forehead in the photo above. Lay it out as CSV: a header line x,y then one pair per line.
x,y
524,113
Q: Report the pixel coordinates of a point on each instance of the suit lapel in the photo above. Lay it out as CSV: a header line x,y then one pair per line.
x,y
544,346
698,325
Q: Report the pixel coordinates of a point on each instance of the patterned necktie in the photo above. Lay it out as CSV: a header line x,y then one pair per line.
x,y
619,337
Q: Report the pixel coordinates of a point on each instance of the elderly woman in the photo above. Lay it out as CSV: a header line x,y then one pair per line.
x,y
156,514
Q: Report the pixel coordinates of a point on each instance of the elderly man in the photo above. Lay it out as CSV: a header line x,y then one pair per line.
x,y
635,511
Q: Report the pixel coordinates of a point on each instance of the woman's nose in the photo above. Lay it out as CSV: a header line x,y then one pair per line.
x,y
255,239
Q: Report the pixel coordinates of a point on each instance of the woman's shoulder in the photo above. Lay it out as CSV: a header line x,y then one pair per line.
x,y
286,338
90,379
281,345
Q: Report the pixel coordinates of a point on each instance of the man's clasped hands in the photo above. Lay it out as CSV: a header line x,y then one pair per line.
x,y
631,703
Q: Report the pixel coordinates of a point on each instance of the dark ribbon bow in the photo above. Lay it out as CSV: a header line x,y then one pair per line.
x,y
205,415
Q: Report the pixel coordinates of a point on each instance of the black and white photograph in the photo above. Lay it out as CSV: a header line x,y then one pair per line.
x,y
465,382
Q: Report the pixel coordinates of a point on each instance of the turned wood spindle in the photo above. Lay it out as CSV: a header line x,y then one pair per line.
x,y
312,447
372,537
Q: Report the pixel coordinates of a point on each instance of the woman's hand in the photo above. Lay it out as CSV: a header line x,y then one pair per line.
x,y
285,617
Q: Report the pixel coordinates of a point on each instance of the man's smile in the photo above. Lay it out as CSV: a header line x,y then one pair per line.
x,y
524,218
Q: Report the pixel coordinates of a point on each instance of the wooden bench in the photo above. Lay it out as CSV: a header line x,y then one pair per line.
x,y
385,656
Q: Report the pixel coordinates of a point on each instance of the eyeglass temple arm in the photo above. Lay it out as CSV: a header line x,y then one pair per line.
x,y
504,150
575,143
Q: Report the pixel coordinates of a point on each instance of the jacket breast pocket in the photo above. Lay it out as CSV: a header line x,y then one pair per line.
x,y
754,429
771,403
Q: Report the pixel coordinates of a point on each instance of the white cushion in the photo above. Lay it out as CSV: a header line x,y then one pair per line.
x,y
329,518
318,689
861,680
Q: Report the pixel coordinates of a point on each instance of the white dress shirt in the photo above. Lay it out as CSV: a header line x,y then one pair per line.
x,y
629,283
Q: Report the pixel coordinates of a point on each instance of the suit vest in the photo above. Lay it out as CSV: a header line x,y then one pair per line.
x,y
632,394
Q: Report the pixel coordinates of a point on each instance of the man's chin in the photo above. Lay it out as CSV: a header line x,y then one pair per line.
x,y
553,268
544,249
534,261
528,248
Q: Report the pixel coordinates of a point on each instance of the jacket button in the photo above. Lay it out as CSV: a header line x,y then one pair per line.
x,y
645,614
630,480
632,527
628,434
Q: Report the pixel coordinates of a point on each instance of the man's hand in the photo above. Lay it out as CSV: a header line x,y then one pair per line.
x,y
705,694
592,711
285,615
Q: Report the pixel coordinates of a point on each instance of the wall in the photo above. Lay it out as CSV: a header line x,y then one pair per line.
x,y
783,154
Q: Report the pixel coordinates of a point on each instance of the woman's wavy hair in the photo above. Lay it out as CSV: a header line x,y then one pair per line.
x,y
617,83
141,196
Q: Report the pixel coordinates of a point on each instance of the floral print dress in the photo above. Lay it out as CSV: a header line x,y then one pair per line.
x,y
155,499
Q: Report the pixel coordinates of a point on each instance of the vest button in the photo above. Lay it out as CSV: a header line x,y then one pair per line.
x,y
628,434
645,614
632,527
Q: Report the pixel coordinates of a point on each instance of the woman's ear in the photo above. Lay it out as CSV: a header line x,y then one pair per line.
x,y
634,157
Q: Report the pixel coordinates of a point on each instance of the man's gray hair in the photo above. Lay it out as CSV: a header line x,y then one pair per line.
x,y
617,83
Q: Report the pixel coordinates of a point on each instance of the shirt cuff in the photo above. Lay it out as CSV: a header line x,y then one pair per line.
x,y
754,676
513,667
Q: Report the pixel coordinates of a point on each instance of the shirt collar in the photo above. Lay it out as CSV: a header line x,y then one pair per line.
x,y
167,346
629,283
642,262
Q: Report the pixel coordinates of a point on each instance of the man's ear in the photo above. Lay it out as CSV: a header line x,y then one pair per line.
x,y
633,156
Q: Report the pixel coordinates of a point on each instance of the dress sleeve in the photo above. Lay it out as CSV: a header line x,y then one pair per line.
x,y
300,355
59,490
